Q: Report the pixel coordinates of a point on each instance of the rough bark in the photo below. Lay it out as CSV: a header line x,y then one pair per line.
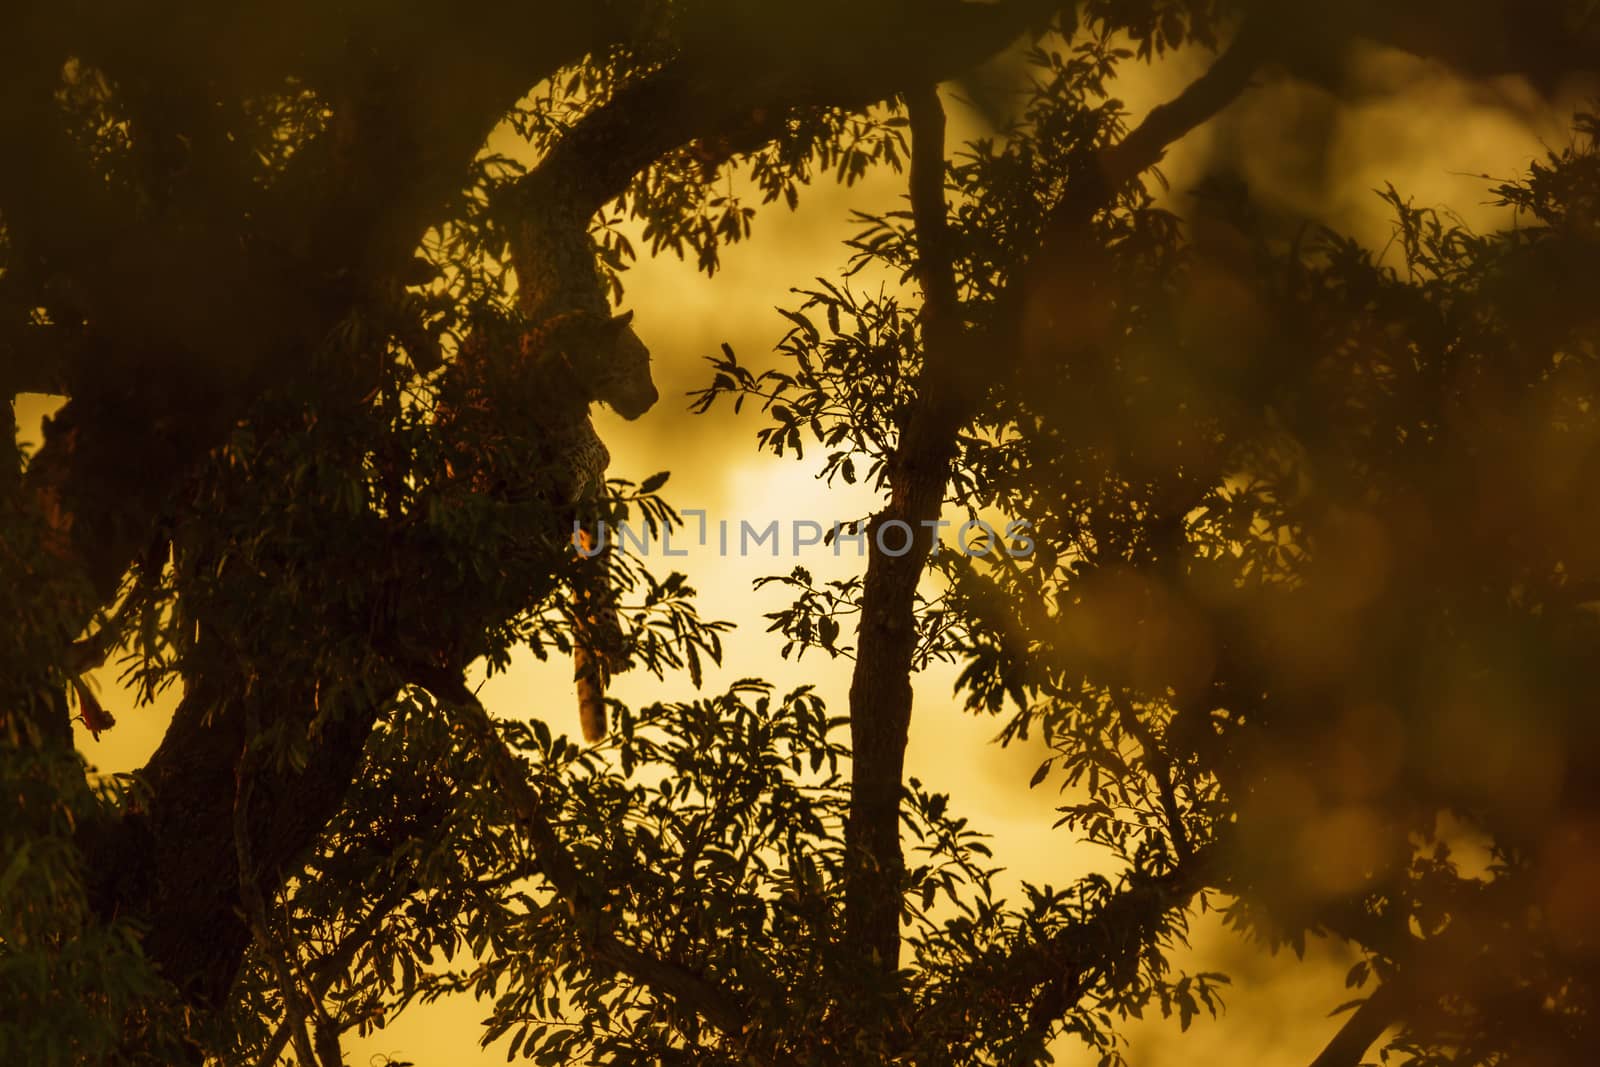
x,y
880,688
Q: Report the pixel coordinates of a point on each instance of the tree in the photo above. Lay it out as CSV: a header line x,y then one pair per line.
x,y
1312,541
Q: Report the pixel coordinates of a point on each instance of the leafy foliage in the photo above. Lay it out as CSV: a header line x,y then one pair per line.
x,y
1305,604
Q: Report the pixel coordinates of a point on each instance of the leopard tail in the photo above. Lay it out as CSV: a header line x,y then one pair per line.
x,y
596,637
590,673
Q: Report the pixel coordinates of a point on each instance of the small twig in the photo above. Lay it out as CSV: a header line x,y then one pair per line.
x,y
1158,764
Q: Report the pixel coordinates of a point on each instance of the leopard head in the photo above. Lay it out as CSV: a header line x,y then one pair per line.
x,y
618,373
594,357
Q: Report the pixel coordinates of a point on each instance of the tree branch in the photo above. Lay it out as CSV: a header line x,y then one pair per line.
x,y
39,359
1159,766
957,371
354,202
329,968
662,977
265,282
880,686
1066,227
745,80
1364,1026
255,909
1222,83
1096,955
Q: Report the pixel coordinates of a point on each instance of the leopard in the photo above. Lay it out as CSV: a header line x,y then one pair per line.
x,y
574,352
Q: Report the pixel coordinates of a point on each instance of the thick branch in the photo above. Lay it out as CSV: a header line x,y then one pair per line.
x,y
745,80
1167,123
39,359
1109,953
957,371
880,688
265,275
1066,228
175,863
1096,956
1364,1026
255,909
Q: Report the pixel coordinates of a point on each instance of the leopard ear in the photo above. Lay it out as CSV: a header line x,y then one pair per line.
x,y
620,322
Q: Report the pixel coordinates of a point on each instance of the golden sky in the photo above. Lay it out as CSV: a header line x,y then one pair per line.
x,y
1430,134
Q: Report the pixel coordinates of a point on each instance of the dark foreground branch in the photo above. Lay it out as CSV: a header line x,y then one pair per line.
x,y
880,688
1365,1025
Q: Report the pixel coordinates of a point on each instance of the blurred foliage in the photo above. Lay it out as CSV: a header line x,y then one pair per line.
x,y
1313,578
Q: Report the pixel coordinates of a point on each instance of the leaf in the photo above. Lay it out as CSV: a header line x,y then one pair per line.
x,y
829,628
1040,774
1340,1009
805,324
